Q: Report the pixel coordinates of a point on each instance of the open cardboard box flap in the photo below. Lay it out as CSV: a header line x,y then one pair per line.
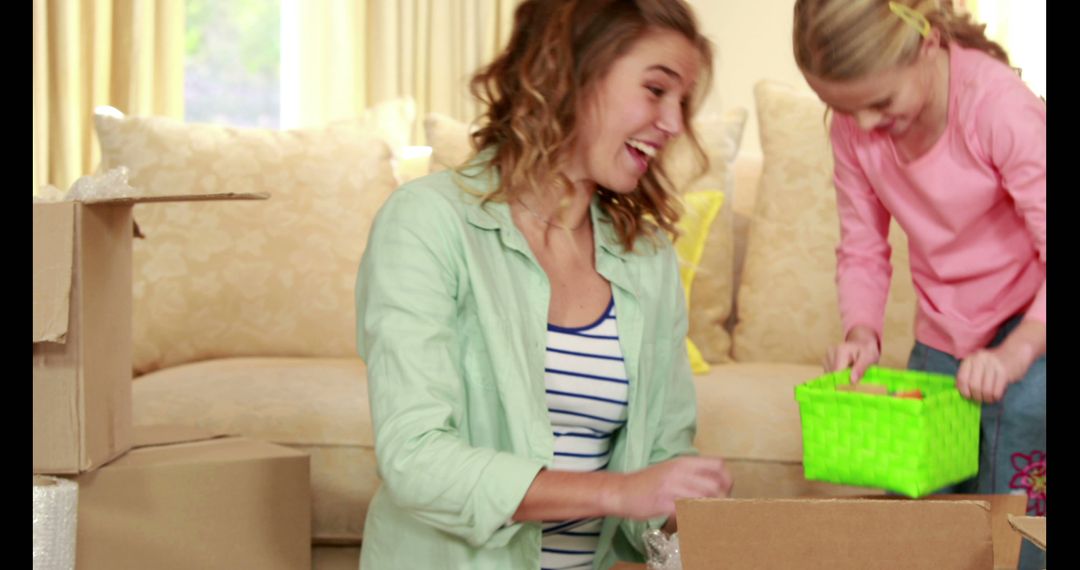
x,y
54,250
155,436
1032,528
165,445
182,198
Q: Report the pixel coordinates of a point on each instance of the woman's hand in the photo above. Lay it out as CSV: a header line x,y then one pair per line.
x,y
652,492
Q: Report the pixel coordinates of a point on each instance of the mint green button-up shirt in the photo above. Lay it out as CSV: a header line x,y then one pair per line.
x,y
452,323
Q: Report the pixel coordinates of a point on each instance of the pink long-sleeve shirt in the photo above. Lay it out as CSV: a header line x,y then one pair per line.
x,y
973,208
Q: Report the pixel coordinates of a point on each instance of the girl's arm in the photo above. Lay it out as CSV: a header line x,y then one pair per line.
x,y
863,267
1011,130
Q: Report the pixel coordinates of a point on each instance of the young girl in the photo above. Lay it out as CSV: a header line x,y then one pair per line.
x,y
933,128
522,318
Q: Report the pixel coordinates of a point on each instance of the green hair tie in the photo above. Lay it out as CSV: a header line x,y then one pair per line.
x,y
913,17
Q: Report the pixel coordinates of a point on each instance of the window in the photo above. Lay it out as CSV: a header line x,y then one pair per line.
x,y
232,61
1020,27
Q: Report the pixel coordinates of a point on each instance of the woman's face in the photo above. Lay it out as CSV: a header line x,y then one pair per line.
x,y
636,108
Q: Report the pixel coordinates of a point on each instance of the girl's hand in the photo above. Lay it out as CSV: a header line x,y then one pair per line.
x,y
982,377
859,351
985,375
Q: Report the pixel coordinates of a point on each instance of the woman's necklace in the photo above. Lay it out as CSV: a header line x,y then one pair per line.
x,y
548,221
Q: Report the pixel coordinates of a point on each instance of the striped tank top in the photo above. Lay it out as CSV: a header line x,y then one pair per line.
x,y
586,398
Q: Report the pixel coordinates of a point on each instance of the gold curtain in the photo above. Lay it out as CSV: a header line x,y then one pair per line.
x,y
128,54
342,56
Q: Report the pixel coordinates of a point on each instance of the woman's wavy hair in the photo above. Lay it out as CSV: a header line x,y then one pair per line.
x,y
839,40
535,90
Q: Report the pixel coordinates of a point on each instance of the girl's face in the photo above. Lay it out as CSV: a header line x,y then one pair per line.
x,y
889,101
636,108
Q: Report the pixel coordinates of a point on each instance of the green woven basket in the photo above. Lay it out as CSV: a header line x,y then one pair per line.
x,y
908,446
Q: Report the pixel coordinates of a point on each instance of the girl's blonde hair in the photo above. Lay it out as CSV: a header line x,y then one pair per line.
x,y
839,40
534,92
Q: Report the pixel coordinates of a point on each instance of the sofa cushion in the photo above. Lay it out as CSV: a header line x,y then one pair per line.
x,y
267,278
746,414
315,405
448,139
720,135
764,425
787,301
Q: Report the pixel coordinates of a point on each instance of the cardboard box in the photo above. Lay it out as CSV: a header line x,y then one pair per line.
x,y
183,499
82,330
1003,520
1003,508
834,534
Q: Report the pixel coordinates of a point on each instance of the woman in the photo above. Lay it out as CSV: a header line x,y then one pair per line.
x,y
522,317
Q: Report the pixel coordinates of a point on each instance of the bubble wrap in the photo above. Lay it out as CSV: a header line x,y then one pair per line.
x,y
661,550
48,193
109,184
55,509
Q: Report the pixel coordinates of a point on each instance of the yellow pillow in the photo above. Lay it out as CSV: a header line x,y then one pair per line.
x,y
702,208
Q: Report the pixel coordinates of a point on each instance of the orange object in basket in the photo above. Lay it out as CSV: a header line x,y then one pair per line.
x,y
912,394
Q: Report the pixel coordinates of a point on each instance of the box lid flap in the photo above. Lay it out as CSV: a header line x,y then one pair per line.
x,y
1032,528
54,258
159,435
171,446
183,198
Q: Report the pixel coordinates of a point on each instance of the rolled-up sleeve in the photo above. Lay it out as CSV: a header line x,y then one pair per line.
x,y
673,389
675,432
863,267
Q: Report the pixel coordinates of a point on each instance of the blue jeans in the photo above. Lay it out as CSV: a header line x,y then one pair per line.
x,y
1012,442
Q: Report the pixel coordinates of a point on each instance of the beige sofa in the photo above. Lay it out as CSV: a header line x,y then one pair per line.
x,y
243,313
